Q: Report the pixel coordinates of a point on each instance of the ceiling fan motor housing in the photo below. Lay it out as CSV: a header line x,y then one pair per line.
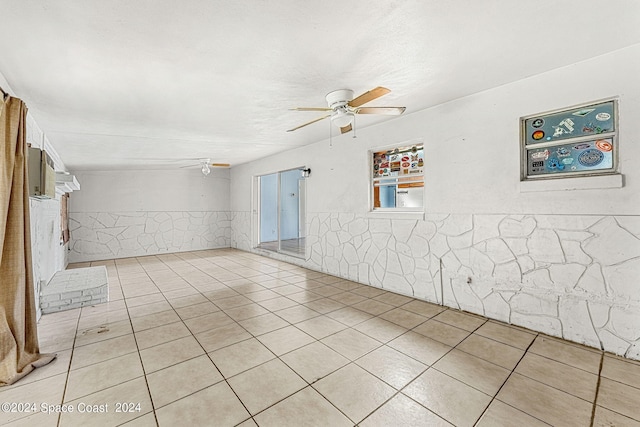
x,y
339,98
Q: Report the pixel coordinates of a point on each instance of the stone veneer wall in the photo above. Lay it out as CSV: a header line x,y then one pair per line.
x,y
571,276
102,235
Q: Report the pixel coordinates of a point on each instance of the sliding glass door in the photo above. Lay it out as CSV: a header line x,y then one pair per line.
x,y
282,202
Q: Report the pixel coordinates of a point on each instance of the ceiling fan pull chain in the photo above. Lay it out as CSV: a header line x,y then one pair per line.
x,y
330,136
354,126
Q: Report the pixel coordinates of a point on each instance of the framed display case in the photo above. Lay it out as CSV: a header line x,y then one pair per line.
x,y
578,141
397,178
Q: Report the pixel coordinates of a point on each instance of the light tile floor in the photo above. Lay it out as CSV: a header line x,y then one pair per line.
x,y
224,337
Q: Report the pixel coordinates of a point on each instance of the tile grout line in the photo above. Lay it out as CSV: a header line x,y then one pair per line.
x,y
144,372
595,399
214,364
66,382
430,366
505,382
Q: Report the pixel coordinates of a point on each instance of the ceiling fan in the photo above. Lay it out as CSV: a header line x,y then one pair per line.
x,y
344,107
206,165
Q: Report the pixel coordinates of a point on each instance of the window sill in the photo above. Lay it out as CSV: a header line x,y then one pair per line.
x,y
578,183
419,215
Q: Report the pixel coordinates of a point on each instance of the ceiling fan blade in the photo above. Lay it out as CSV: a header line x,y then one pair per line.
x,y
391,111
346,128
310,109
308,123
369,96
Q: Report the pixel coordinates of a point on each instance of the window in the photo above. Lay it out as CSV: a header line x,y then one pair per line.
x,y
397,181
573,142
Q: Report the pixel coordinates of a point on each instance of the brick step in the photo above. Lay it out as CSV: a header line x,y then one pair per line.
x,y
79,287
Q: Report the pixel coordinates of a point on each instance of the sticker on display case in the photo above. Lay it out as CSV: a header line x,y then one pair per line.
x,y
589,156
579,122
583,112
537,123
538,135
603,145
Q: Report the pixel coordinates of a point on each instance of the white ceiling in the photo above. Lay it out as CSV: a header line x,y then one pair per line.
x,y
136,84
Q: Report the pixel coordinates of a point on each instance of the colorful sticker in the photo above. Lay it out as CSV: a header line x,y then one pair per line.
x,y
537,123
385,165
414,165
603,117
405,158
584,112
406,164
394,157
540,155
591,128
604,145
395,166
565,126
538,135
567,161
420,163
376,167
537,164
563,152
555,164
581,146
590,158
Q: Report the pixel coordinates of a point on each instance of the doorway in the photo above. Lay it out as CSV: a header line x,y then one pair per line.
x,y
282,212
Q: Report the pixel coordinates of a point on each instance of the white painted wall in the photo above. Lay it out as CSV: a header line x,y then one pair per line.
x,y
151,190
566,263
142,212
472,148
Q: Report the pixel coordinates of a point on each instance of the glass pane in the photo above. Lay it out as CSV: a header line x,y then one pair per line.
x,y
584,121
291,224
387,196
398,178
575,157
269,211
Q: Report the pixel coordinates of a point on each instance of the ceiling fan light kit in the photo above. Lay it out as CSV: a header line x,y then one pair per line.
x,y
344,107
342,118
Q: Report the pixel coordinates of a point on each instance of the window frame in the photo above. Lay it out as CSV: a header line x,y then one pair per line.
x,y
372,180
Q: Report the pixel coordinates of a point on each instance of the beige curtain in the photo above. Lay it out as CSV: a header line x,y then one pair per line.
x,y
19,351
